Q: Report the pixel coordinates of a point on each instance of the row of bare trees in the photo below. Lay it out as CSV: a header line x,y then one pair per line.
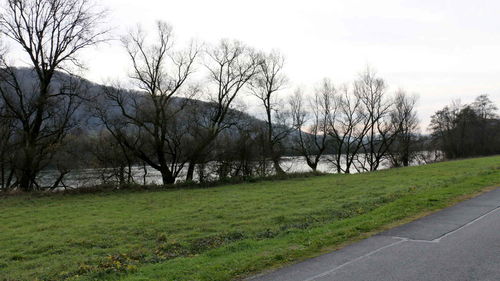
x,y
177,121
361,126
158,124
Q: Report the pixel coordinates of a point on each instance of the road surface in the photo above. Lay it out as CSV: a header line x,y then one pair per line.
x,y
458,243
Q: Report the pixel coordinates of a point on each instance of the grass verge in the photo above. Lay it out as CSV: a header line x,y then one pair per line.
x,y
221,233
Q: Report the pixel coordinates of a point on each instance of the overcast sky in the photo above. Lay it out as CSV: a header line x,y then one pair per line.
x,y
441,50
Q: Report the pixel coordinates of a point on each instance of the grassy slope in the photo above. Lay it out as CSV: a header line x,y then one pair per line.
x,y
219,233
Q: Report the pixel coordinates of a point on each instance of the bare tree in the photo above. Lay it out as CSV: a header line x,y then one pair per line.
x,y
484,107
347,128
443,128
404,118
230,66
370,90
312,143
265,86
51,33
149,123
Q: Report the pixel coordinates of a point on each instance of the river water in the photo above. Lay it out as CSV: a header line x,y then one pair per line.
x,y
92,177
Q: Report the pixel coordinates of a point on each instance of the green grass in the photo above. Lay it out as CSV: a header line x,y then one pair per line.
x,y
219,233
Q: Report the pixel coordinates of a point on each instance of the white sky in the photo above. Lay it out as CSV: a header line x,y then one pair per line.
x,y
439,49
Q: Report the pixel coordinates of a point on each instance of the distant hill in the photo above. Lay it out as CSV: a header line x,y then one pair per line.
x,y
90,124
28,80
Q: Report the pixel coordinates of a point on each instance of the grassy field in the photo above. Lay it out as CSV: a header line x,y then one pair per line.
x,y
219,233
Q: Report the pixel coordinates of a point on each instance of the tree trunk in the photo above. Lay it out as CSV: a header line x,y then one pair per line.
x,y
190,171
27,175
167,177
2,180
312,164
348,167
406,160
144,176
406,153
25,181
277,167
121,176
59,180
314,167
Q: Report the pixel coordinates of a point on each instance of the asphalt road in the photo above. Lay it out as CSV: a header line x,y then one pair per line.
x,y
458,243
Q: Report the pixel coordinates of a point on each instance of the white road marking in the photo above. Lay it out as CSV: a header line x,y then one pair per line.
x,y
400,240
465,225
354,260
